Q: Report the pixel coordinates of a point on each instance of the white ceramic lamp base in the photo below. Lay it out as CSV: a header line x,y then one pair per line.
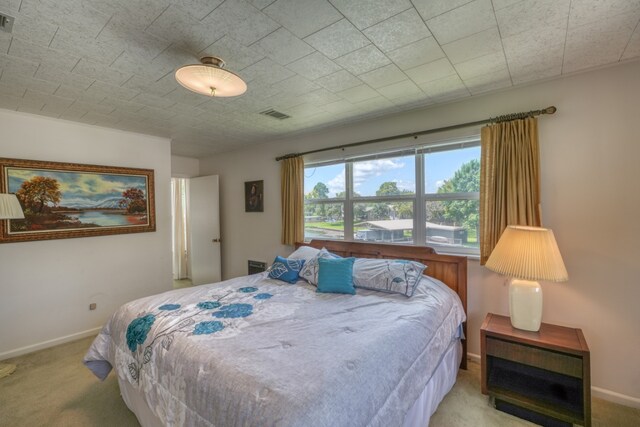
x,y
525,304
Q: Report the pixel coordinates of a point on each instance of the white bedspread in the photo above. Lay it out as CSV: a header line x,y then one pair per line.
x,y
256,351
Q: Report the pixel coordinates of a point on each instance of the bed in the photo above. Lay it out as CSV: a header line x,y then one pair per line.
x,y
257,351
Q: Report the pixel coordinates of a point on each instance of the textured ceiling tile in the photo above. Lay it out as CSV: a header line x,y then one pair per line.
x,y
337,39
522,62
158,88
402,89
527,75
235,55
34,29
362,60
444,87
314,66
379,105
483,65
397,31
186,97
75,112
462,22
383,76
283,47
633,48
184,30
139,13
358,93
588,11
479,44
296,85
338,81
365,13
530,15
431,8
432,71
5,41
12,89
80,95
295,16
38,85
339,107
198,8
98,119
96,71
153,100
261,4
241,20
266,71
496,79
86,47
9,102
132,39
534,42
75,15
10,5
44,55
101,88
598,43
501,4
63,77
304,110
416,53
321,97
18,66
122,105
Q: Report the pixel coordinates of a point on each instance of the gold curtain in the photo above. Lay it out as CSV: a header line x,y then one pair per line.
x,y
292,189
509,180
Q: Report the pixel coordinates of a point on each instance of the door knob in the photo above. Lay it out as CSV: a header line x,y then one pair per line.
x,y
216,240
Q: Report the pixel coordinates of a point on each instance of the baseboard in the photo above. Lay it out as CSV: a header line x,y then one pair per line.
x,y
598,392
50,343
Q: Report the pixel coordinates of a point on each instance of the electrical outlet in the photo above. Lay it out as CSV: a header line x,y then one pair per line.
x,y
92,306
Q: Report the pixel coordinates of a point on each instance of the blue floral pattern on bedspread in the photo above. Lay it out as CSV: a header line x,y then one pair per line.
x,y
182,319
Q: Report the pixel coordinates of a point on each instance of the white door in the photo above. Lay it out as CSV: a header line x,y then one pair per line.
x,y
204,217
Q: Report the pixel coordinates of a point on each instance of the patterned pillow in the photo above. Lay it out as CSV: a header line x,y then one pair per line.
x,y
287,270
387,275
309,271
304,252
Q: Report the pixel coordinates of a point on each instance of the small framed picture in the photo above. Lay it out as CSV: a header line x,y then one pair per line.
x,y
254,196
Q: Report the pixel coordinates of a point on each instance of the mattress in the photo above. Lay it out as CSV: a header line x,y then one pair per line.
x,y
256,351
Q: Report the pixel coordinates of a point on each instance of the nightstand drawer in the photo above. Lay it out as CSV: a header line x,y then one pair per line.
x,y
534,356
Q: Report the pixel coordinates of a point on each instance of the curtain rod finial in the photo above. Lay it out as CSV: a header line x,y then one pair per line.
x,y
550,110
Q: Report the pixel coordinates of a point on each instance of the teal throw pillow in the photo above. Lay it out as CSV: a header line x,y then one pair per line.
x,y
335,275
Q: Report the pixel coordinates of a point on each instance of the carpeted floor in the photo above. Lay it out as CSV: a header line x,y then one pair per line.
x,y
52,388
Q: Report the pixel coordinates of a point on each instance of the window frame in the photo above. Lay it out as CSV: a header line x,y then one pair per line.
x,y
419,198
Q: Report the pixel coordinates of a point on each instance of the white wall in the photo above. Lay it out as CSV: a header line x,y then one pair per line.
x,y
46,287
589,155
184,167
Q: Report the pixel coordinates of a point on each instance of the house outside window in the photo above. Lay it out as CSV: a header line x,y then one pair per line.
x,y
423,196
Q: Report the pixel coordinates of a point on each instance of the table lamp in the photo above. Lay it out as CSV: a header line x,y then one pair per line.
x,y
9,209
527,254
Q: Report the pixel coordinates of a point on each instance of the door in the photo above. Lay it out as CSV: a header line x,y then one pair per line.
x,y
204,221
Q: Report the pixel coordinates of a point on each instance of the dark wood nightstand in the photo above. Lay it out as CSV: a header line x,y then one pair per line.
x,y
542,376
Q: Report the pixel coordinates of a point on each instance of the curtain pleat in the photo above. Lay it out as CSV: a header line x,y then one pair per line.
x,y
509,180
180,227
292,191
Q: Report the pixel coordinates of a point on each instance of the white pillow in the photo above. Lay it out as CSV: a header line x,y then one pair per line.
x,y
311,267
393,276
304,252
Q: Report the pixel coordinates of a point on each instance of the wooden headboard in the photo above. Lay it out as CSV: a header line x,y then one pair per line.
x,y
449,269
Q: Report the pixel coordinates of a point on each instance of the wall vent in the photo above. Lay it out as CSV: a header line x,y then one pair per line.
x,y
275,114
6,23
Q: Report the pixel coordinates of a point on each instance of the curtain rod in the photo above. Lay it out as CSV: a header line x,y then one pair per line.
x,y
499,119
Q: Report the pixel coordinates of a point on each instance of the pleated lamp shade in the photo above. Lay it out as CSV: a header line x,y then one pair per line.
x,y
529,253
10,207
211,79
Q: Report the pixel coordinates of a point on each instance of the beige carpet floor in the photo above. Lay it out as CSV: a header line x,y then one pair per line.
x,y
53,388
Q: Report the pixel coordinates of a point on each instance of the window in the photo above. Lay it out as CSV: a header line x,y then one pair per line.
x,y
423,196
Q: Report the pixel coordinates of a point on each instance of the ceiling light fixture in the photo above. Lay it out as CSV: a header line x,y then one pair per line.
x,y
210,78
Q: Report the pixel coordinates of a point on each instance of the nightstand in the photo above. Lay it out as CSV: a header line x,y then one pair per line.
x,y
543,376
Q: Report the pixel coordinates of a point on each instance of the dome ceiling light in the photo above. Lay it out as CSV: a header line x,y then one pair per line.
x,y
210,78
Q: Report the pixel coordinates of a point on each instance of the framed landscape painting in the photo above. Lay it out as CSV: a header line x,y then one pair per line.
x,y
65,200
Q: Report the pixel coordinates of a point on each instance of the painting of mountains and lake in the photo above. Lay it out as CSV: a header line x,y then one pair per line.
x,y
62,200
